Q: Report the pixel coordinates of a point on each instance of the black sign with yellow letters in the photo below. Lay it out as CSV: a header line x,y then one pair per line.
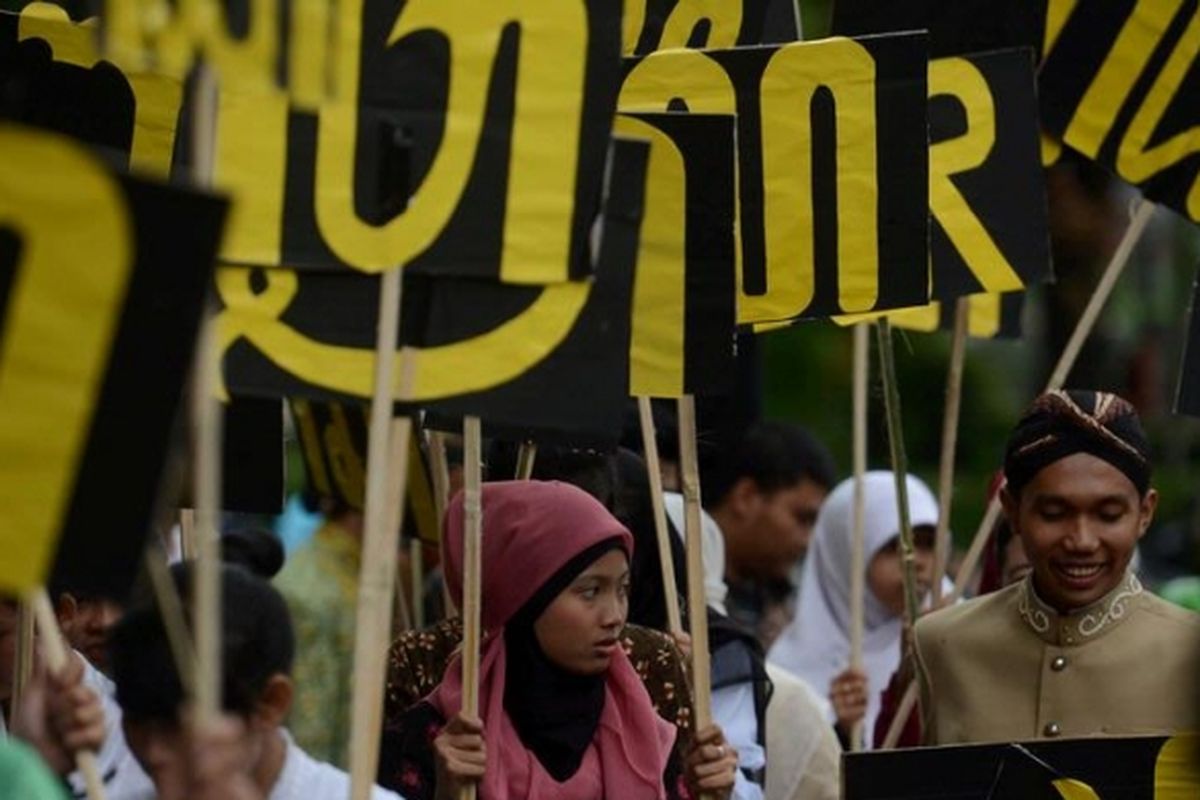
x,y
1120,86
259,44
989,231
468,141
52,76
832,166
956,27
536,361
460,142
665,24
682,338
104,279
1100,768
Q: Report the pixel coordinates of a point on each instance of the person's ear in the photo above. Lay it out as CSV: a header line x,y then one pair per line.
x,y
275,701
746,497
1146,512
66,609
1011,505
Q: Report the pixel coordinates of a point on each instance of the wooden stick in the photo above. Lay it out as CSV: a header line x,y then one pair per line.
x,y
416,566
472,580
187,534
907,703
1108,280
697,603
23,654
858,570
378,560
206,440
1062,370
954,376
526,456
55,650
401,435
891,397
439,470
170,609
206,599
661,530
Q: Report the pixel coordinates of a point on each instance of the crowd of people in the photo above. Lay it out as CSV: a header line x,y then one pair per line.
x,y
583,686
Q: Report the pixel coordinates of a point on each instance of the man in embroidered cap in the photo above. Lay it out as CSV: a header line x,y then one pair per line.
x,y
1077,648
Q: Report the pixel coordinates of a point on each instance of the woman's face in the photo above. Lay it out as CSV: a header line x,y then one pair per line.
x,y
885,573
578,631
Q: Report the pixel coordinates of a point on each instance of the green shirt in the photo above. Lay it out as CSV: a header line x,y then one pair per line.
x,y
320,583
24,776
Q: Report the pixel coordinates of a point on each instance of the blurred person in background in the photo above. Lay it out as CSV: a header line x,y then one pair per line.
x,y
765,492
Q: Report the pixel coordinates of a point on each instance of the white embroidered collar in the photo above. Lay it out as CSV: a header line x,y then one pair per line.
x,y
1079,626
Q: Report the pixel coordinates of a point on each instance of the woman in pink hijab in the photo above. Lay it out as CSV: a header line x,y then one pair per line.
x,y
564,714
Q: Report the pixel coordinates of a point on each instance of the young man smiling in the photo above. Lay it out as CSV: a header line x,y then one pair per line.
x,y
1077,648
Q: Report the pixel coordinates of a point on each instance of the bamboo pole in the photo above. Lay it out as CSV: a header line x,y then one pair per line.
x,y
206,439
206,598
416,567
891,398
439,471
858,571
170,609
378,560
23,653
697,602
661,530
1062,369
472,579
907,703
526,456
954,376
187,534
55,650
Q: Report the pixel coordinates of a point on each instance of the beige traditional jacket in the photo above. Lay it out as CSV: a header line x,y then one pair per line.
x,y
1007,667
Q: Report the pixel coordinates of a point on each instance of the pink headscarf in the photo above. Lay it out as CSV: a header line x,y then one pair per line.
x,y
531,529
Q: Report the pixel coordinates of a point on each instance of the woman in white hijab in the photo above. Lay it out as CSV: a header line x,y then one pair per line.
x,y
816,645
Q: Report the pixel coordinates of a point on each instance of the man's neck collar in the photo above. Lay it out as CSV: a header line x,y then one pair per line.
x,y
1080,625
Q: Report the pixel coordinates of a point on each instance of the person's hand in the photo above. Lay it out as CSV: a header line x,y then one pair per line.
x,y
683,641
218,768
848,693
461,756
60,717
711,764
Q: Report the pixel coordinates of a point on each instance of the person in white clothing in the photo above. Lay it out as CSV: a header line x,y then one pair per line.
x,y
257,651
816,645
802,757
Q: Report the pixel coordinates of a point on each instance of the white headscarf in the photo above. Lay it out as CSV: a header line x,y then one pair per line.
x,y
712,549
816,645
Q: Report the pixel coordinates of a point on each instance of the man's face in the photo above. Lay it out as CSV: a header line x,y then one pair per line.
x,y
1079,520
88,626
778,528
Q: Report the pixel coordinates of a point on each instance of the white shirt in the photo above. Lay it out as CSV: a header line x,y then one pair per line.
x,y
305,778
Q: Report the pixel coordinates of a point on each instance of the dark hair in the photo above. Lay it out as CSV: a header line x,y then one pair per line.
x,y
255,549
775,455
590,470
256,643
